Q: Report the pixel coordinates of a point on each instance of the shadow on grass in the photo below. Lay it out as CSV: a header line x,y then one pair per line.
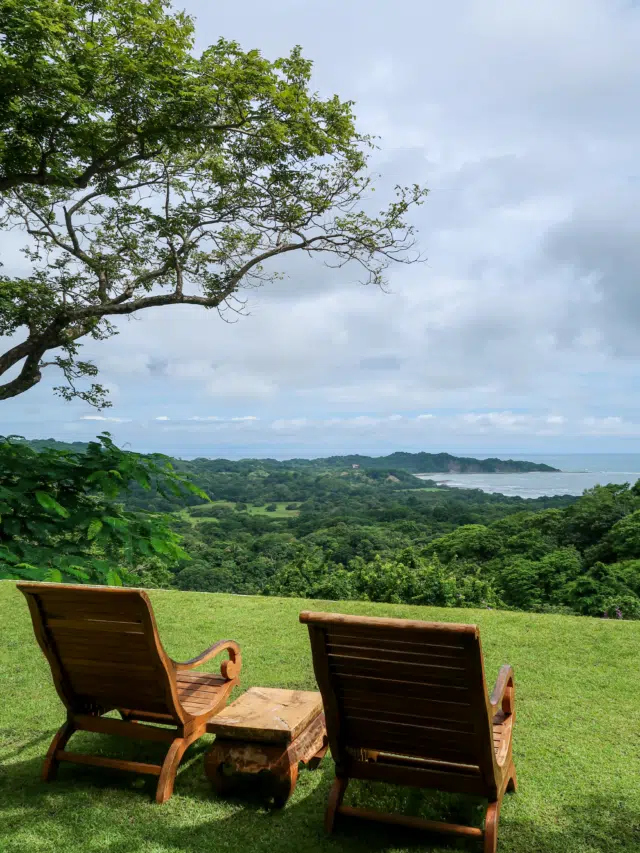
x,y
23,746
87,809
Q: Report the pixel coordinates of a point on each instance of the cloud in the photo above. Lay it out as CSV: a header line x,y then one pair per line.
x,y
106,419
235,418
520,327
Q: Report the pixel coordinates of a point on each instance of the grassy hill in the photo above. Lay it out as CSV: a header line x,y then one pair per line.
x,y
576,744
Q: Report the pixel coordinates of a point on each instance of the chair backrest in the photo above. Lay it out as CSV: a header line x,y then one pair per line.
x,y
405,688
103,648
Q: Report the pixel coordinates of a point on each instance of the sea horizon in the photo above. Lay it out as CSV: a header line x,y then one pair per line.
x,y
576,471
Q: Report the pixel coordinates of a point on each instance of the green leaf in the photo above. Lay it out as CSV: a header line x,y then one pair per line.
x,y
53,576
113,578
48,502
78,573
94,528
119,524
159,545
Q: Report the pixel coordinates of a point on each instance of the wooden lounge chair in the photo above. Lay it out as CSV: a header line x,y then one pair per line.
x,y
105,654
407,702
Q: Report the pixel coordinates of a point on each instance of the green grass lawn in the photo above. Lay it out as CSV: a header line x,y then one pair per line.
x,y
576,742
280,512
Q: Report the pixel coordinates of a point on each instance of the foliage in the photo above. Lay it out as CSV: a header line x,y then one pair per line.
x,y
91,85
61,519
355,534
360,537
145,175
470,541
150,573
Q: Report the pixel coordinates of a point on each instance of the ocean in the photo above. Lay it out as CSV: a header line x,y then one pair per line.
x,y
578,471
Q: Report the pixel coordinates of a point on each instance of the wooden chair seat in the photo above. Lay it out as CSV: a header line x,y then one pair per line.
x,y
105,654
406,702
200,693
502,724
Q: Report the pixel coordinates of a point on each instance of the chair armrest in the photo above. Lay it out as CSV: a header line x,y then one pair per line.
x,y
503,696
229,668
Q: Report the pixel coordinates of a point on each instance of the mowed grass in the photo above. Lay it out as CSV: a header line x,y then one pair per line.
x,y
577,742
281,511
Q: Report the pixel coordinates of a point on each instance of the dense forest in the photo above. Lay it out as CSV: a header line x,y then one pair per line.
x,y
382,534
338,530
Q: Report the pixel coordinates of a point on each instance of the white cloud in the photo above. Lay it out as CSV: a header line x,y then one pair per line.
x,y
110,420
611,425
162,418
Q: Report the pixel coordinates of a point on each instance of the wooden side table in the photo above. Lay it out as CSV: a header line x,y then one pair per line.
x,y
267,730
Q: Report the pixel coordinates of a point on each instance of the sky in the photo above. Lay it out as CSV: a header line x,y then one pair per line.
x,y
520,331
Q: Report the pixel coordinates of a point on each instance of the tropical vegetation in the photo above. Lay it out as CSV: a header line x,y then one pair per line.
x,y
312,529
62,516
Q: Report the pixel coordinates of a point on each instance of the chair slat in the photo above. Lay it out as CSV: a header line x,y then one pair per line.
x,y
398,670
407,702
397,703
105,654
388,651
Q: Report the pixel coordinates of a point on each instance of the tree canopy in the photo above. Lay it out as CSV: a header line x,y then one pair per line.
x,y
62,517
144,175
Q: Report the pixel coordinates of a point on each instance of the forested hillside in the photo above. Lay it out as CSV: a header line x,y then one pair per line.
x,y
362,535
414,463
335,532
433,463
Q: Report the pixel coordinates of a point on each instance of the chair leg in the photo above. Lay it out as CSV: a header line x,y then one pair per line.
x,y
335,801
492,819
171,763
491,827
60,740
169,769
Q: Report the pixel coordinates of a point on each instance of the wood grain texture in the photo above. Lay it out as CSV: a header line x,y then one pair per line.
x,y
406,702
244,753
376,625
268,715
105,653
